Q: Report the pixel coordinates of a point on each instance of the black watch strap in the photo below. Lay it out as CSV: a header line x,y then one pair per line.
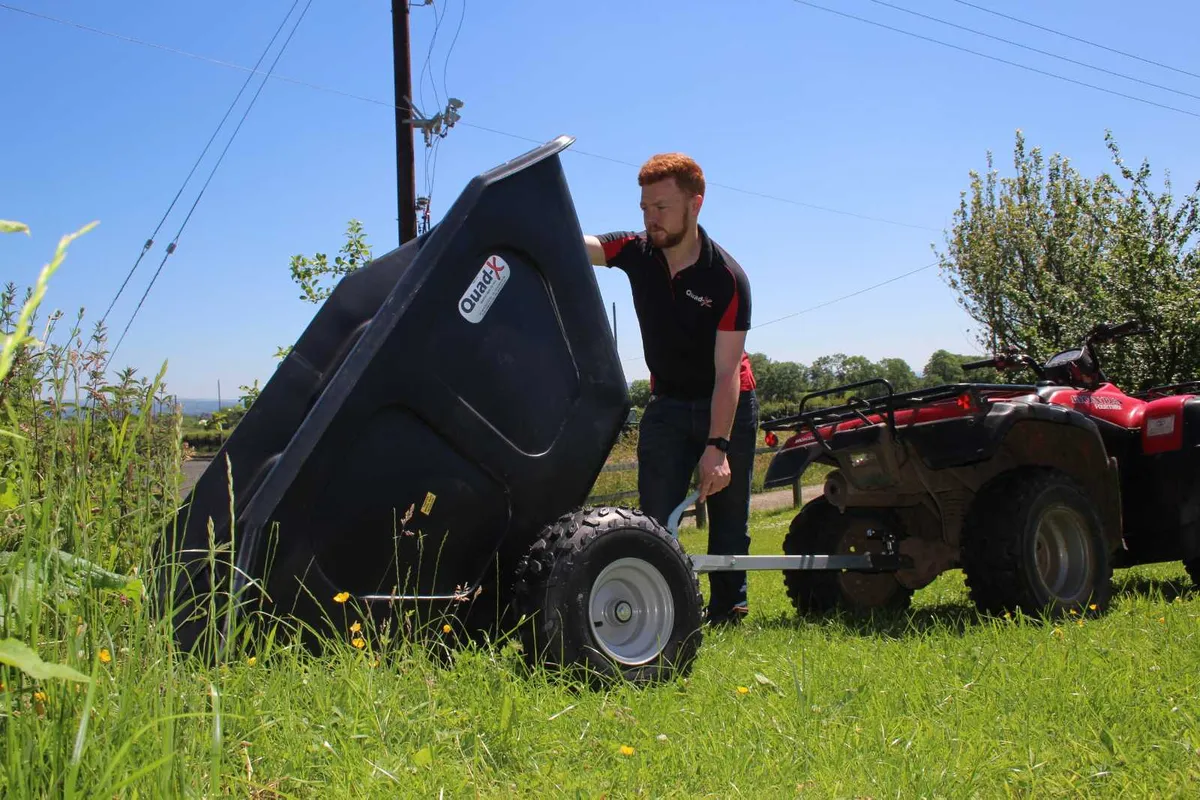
x,y
720,443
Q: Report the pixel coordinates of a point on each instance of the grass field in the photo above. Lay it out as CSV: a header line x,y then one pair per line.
x,y
936,703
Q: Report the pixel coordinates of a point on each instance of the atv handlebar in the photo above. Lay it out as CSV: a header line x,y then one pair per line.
x,y
987,362
1104,333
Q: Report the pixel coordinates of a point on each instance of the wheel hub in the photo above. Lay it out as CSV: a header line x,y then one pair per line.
x,y
1062,552
632,611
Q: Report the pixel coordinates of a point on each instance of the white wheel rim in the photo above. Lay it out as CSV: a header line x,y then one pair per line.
x,y
631,611
1063,552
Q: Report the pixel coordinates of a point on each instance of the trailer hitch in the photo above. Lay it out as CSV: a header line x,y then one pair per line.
x,y
890,560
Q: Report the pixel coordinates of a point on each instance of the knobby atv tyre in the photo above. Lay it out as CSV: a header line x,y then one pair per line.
x,y
1193,570
820,529
1033,541
609,594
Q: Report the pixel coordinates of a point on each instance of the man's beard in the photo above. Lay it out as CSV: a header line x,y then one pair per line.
x,y
668,240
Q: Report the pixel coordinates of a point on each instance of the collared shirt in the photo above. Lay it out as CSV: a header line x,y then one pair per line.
x,y
680,316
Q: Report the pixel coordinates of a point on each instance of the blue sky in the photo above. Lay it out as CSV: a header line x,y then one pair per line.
x,y
771,96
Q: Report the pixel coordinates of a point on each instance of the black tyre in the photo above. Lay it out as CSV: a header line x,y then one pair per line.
x,y
1033,541
609,593
820,529
1193,570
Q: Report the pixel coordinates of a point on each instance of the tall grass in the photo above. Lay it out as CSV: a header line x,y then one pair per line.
x,y
933,703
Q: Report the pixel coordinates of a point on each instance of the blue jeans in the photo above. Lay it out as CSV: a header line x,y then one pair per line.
x,y
671,439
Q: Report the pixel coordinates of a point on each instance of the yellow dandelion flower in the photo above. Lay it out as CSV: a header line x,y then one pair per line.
x,y
356,627
626,750
1079,623
39,696
1058,632
1162,620
1074,612
341,597
743,690
105,656
252,660
1093,606
358,642
446,628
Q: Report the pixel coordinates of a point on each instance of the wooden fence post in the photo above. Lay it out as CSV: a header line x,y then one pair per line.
x,y
797,494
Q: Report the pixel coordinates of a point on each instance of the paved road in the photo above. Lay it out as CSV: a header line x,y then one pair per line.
x,y
192,470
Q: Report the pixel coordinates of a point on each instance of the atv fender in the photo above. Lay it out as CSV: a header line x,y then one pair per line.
x,y
789,464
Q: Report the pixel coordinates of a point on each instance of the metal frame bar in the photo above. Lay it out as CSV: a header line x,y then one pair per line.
x,y
866,562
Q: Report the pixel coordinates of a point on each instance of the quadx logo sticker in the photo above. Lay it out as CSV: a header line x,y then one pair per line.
x,y
484,289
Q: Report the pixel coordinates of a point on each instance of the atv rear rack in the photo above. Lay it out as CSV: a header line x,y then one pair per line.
x,y
1187,387
889,404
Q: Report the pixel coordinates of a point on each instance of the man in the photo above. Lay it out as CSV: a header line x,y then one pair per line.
x,y
693,306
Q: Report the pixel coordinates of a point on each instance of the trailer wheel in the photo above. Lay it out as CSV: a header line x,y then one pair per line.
x,y
820,529
1193,570
611,594
1033,542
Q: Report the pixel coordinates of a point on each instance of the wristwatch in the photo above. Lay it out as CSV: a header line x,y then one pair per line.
x,y
720,443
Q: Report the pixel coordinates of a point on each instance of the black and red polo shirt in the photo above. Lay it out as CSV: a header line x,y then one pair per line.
x,y
680,316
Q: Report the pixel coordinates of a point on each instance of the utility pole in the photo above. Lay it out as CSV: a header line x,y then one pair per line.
x,y
406,178
615,341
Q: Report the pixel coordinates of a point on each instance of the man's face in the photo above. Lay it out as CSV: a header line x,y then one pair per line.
x,y
667,212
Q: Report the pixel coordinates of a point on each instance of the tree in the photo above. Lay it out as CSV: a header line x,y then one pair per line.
x,y
1041,257
898,373
639,393
307,272
946,367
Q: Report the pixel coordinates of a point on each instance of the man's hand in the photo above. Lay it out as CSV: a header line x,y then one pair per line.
x,y
714,472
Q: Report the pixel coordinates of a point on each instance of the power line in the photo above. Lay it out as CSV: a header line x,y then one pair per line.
x,y
1034,49
389,105
450,52
175,241
994,58
751,192
1078,39
437,26
830,302
150,241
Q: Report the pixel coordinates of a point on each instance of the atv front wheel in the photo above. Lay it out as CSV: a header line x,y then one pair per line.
x,y
610,593
819,529
1033,542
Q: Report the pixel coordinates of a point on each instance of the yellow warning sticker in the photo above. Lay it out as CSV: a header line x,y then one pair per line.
x,y
427,506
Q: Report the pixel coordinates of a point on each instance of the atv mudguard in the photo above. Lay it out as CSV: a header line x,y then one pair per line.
x,y
972,440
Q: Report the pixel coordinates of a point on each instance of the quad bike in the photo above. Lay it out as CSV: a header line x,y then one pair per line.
x,y
1036,491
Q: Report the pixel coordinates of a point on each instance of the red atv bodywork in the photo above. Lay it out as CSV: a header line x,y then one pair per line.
x,y
1137,456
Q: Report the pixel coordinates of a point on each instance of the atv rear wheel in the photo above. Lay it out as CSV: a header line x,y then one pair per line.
x,y
820,529
610,593
1033,542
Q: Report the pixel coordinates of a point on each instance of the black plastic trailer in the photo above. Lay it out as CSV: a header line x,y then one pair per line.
x,y
431,441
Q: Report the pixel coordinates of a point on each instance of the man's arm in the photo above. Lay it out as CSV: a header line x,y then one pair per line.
x,y
727,360
595,251
714,465
609,249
